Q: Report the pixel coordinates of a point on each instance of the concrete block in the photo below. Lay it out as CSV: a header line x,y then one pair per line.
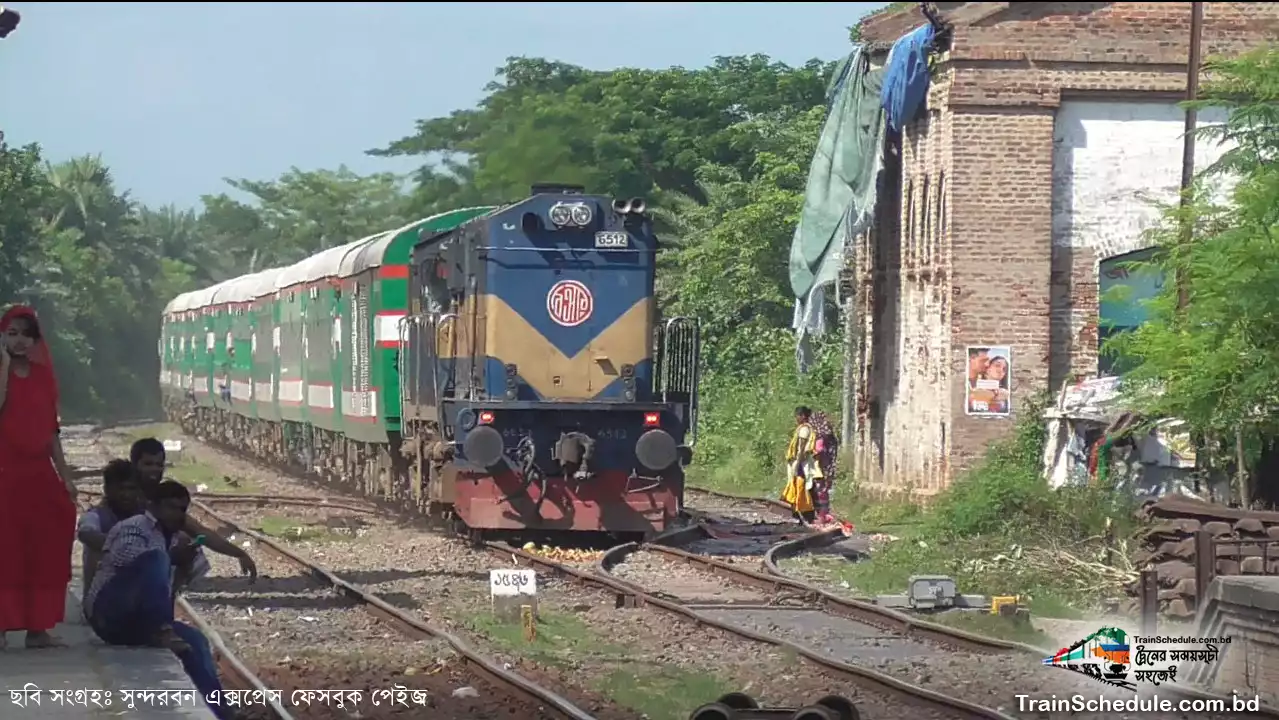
x,y
1244,609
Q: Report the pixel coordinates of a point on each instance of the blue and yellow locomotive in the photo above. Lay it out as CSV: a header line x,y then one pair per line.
x,y
539,389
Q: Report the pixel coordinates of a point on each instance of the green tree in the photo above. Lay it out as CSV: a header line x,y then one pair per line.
x,y
727,263
24,188
626,132
1212,363
304,212
98,272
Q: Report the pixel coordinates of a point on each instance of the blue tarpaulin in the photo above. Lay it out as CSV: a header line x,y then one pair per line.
x,y
906,76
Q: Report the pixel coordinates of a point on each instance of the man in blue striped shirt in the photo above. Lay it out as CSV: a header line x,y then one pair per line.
x,y
131,599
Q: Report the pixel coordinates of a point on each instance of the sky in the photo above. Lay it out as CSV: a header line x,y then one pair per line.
x,y
177,96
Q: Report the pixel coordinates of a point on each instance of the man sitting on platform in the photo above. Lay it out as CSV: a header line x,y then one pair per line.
x,y
131,599
148,457
121,498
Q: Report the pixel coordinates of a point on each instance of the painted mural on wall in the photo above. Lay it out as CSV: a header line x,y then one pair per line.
x,y
1125,284
988,390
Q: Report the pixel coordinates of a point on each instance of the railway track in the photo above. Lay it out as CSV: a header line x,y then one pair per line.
x,y
877,696
719,506
1026,654
871,690
591,649
874,701
303,611
878,693
309,609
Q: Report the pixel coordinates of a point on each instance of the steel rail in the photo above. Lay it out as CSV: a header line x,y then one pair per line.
x,y
775,506
262,500
242,673
631,594
412,626
859,611
790,548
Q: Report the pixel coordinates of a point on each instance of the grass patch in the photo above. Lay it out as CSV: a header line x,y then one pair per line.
x,y
659,692
665,693
1000,530
561,639
983,623
186,469
194,474
291,529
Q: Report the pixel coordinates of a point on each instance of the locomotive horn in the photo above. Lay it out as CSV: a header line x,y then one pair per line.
x,y
621,207
9,20
638,206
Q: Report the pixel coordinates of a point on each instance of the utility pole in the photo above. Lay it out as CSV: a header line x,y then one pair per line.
x,y
1188,140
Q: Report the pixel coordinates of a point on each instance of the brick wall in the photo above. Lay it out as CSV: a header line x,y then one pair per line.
x,y
1001,241
904,432
989,271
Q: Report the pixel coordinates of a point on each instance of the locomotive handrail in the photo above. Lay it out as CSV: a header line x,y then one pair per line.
x,y
438,324
694,347
401,364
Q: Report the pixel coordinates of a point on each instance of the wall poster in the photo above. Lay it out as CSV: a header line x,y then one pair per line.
x,y
988,389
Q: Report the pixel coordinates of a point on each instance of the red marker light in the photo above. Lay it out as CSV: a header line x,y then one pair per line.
x,y
486,418
651,419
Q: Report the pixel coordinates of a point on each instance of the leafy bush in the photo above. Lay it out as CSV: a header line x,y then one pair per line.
x,y
747,420
1006,494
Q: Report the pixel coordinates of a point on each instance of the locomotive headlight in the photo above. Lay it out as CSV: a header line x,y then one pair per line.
x,y
561,215
581,215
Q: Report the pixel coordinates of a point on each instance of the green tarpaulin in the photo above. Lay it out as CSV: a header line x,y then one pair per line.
x,y
841,191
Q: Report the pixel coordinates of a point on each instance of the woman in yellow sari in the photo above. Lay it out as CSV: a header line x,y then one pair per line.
x,y
801,466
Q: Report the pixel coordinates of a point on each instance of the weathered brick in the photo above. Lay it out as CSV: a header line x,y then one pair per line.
x,y
965,249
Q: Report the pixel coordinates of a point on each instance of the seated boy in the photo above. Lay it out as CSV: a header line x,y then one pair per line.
x,y
147,456
131,599
121,499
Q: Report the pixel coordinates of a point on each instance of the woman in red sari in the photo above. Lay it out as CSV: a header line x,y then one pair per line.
x,y
37,505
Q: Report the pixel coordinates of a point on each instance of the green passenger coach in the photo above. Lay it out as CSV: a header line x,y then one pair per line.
x,y
300,364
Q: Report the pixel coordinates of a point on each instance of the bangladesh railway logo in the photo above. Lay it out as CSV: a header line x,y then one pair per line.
x,y
1102,656
570,303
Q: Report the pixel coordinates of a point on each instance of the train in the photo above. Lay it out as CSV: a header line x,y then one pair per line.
x,y
503,366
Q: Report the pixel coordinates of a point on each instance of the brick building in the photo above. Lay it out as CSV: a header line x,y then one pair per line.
x,y
1018,187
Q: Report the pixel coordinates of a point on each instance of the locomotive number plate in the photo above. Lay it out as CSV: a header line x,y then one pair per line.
x,y
612,239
